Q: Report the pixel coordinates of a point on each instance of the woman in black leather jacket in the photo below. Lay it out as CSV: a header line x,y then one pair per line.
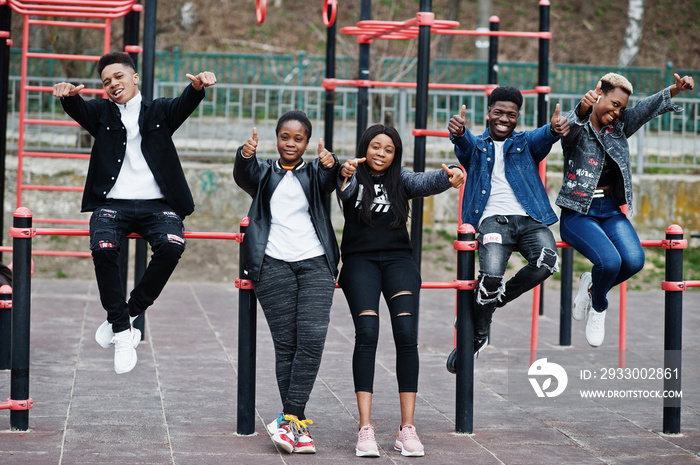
x,y
291,255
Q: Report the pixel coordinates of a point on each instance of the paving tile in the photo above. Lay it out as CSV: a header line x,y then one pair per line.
x,y
178,406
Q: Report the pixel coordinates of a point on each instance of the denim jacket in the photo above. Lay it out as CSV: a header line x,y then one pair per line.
x,y
522,152
585,150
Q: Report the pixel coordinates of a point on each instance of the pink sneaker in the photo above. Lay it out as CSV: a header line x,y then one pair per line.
x,y
408,443
366,444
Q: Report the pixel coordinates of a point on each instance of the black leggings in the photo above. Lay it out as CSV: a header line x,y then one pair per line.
x,y
363,278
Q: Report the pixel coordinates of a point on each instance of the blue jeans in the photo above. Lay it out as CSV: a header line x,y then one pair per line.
x,y
606,237
364,278
498,237
110,223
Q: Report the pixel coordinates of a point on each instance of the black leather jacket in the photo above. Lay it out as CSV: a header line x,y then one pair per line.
x,y
158,120
259,178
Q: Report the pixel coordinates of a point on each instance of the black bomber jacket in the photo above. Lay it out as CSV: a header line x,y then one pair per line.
x,y
158,120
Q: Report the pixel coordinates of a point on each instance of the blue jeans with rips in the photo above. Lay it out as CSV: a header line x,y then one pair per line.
x,y
607,238
110,224
499,236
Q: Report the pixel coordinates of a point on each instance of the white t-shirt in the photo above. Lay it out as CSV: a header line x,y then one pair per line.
x,y
135,180
502,200
292,234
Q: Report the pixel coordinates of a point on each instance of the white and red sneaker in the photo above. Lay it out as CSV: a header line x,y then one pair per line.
x,y
281,433
304,443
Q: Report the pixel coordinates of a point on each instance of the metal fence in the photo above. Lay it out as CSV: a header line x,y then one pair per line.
x,y
224,120
303,69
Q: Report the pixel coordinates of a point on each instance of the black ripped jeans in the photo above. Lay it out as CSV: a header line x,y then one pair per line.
x,y
110,224
363,278
498,237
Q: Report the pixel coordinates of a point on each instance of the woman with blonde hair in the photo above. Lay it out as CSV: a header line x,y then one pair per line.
x,y
597,181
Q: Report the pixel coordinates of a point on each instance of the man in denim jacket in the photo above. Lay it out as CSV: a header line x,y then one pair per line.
x,y
505,201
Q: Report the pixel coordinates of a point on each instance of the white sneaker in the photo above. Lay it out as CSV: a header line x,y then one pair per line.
x,y
595,327
104,334
281,433
124,351
582,302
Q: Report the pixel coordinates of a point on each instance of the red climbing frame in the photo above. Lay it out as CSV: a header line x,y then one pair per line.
x,y
98,15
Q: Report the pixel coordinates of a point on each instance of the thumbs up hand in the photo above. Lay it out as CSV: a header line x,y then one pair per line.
x,y
251,145
591,98
324,155
456,124
560,125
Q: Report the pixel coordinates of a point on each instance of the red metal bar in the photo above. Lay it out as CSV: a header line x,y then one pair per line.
x,y
75,8
12,404
455,284
50,122
37,187
188,234
79,156
46,22
461,32
62,56
429,132
50,89
60,221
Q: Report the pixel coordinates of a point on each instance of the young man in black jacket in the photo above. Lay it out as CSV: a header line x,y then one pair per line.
x,y
134,183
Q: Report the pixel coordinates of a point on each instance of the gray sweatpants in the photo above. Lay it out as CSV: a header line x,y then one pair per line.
x,y
296,299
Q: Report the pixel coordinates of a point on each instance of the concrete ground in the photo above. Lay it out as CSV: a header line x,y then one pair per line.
x,y
178,406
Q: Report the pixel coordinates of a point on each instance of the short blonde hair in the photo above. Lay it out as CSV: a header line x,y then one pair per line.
x,y
618,80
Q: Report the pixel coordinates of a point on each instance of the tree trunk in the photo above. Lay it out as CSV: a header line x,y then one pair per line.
x,y
628,52
444,45
483,14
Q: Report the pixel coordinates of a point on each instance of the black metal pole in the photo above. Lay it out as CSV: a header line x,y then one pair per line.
x,y
247,307
131,33
5,22
150,12
5,313
542,99
464,402
329,115
494,24
5,327
21,313
673,329
567,271
423,78
363,74
131,37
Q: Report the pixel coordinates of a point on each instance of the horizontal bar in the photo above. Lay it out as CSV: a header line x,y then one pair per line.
x,y
80,156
